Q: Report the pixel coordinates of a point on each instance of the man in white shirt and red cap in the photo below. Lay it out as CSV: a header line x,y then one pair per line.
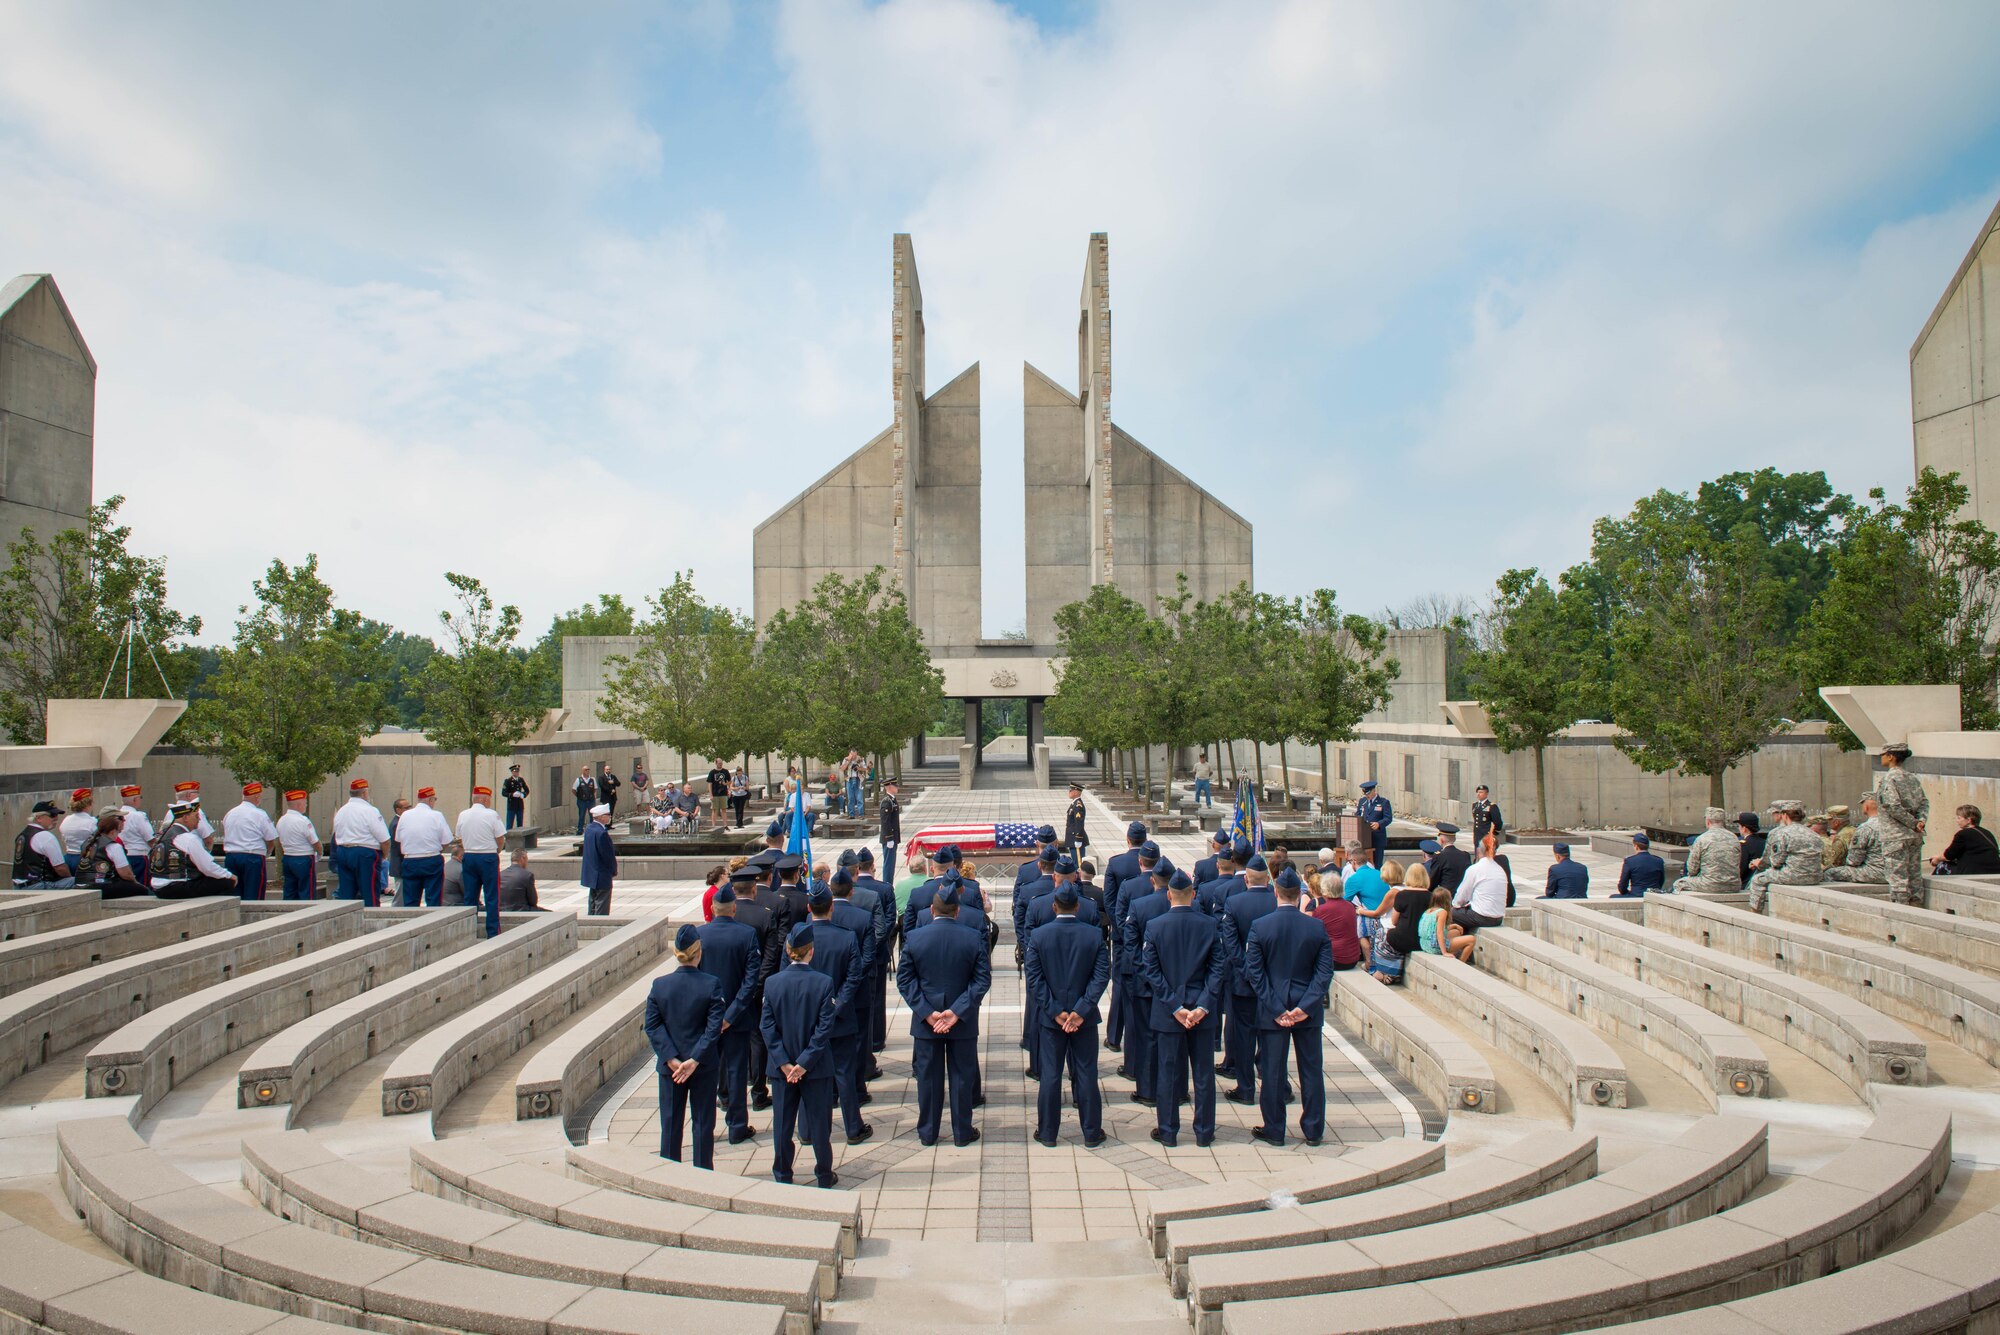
x,y
248,837
422,833
298,847
360,842
137,833
480,834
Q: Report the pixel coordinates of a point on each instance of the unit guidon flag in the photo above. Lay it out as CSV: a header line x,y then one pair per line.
x,y
977,837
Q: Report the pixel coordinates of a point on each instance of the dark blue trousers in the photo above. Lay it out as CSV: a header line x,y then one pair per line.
x,y
694,1102
735,1045
1075,1054
1139,1044
847,1079
482,876
248,869
1278,1045
516,813
1121,987
931,1058
355,868
1240,1041
806,1108
300,873
423,882
1183,1052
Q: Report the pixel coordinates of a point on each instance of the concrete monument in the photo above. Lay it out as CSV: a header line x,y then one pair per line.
x,y
48,404
1955,378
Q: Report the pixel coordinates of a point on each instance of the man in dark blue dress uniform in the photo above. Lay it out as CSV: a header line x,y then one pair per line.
x,y
1118,868
799,1010
1243,910
1144,906
1290,960
839,953
684,1013
1184,961
733,955
1067,970
1375,814
942,976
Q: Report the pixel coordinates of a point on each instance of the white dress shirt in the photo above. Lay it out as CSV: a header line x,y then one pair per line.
x,y
76,829
359,825
422,832
1484,889
246,828
195,849
480,829
137,835
296,835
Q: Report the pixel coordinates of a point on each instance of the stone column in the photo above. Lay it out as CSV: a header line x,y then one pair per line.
x,y
1035,725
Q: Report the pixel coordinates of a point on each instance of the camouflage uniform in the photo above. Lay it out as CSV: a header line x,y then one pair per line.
x,y
1713,861
1904,807
1867,861
1839,842
1791,857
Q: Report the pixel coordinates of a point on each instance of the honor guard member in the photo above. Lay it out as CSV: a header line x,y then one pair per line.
x,y
1242,1048
1185,960
732,951
839,952
1375,814
1450,863
1146,900
137,832
1067,970
480,835
77,826
1075,837
799,1010
39,863
600,860
885,943
1208,868
360,842
1290,962
1486,817
248,837
514,789
892,828
1904,809
182,867
298,847
942,976
684,1013
1118,868
1713,858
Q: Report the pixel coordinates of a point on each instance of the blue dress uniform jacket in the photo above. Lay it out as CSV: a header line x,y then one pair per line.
x,y
1642,872
970,896
1239,1046
861,923
731,954
1028,871
1138,1025
1043,912
1026,893
1204,870
1375,810
968,916
837,954
1290,961
1185,957
798,1021
1067,969
944,968
684,1023
1568,880
600,864
1119,868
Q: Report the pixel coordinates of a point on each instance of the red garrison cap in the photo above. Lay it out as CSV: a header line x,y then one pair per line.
x,y
295,794
426,792
188,786
482,791
252,789
79,794
357,785
129,790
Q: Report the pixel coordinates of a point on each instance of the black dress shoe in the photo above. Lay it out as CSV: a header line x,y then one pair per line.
x,y
872,1073
1034,1074
866,1133
979,1102
1142,1100
1046,1144
1092,1142
1114,1047
926,1143
760,1101
1203,1142
832,1180
738,1137
1312,1142
1224,1068
1240,1095
1259,1133
865,1099
1165,1139
1125,1073
961,1144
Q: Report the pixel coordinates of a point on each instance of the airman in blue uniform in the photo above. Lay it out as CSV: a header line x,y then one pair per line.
x,y
844,950
732,954
1375,813
684,1013
1184,960
1240,1041
1290,961
1144,908
1118,868
885,942
799,1011
1207,869
1067,970
943,975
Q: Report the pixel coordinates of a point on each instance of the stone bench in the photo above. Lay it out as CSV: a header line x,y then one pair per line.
x,y
1566,1054
1543,1162
1974,897
522,836
302,1059
48,1285
1966,942
297,1179
1713,1053
428,1074
153,1053
28,912
1857,1043
45,955
642,1174
1711,1166
1956,1001
1424,1051
51,1017
1840,1215
171,1226
464,1169
1369,1168
565,1071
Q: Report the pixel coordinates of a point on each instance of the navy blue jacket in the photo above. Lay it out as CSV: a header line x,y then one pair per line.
x,y
837,954
1026,893
1568,880
798,1020
1067,969
1642,872
1371,809
1143,912
1029,870
969,896
684,1015
1043,911
943,968
862,923
1290,961
968,916
1185,960
600,857
1213,898
885,906
1127,947
730,955
1243,911
1118,868
1204,870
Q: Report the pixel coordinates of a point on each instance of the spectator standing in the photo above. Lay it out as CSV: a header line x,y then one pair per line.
x,y
585,789
514,789
600,861
718,791
1904,809
1644,870
1568,878
641,781
739,795
298,848
607,787
248,837
857,770
1204,776
1972,851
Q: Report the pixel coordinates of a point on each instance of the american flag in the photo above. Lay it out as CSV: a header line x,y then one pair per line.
x,y
986,837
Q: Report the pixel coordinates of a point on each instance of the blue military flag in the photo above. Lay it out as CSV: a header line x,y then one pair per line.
x,y
1246,826
799,838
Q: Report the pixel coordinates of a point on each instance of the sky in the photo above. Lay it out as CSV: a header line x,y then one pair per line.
x,y
571,297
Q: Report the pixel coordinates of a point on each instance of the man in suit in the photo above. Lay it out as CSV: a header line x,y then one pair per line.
x,y
799,1010
684,1013
942,976
1067,969
1241,1045
600,860
1119,868
1290,961
1185,961
847,961
732,954
1145,904
885,943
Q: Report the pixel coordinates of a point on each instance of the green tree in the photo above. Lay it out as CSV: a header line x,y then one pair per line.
x,y
1913,599
847,667
1542,672
609,615
477,691
291,700
1099,670
1699,674
64,604
671,691
1342,674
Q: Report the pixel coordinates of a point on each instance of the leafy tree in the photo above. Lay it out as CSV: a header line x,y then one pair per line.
x,y
1542,672
63,608
847,667
477,691
408,656
670,690
1914,599
608,616
290,702
1699,677
1101,666
1342,674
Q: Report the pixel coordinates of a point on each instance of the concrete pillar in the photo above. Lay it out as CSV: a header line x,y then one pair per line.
x,y
972,724
1035,725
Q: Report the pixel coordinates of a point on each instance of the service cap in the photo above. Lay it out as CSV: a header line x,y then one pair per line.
x,y
689,934
1066,895
1430,846
800,935
1180,881
1368,785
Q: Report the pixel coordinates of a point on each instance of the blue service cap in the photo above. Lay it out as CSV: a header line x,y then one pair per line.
x,y
775,830
946,896
688,934
1239,853
865,857
848,858
843,879
723,895
1164,869
800,935
1149,851
1560,848
820,896
1220,838
1136,830
1066,895
1256,863
1049,855
1065,865
1047,834
1430,846
1289,880
1642,841
1368,785
1446,827
1181,881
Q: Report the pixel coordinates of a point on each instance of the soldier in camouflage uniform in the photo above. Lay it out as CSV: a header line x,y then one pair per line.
x,y
1865,862
1840,835
1791,854
1904,809
1713,858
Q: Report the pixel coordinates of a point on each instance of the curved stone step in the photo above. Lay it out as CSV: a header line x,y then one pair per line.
x,y
1563,1052
1424,1051
1369,1168
31,959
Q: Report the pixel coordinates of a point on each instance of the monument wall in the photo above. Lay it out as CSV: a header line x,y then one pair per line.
x,y
1955,378
48,397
